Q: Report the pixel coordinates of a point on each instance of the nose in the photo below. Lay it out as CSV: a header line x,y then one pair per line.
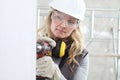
x,y
63,24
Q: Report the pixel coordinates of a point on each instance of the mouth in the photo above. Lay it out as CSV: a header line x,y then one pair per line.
x,y
61,31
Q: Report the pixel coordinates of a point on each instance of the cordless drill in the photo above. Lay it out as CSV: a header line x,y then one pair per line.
x,y
43,47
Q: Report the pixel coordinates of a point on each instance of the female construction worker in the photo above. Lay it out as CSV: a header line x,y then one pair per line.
x,y
69,60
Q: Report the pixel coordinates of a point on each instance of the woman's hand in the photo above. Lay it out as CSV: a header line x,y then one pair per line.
x,y
50,41
45,67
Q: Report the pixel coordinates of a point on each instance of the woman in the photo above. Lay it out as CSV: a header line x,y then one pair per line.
x,y
62,25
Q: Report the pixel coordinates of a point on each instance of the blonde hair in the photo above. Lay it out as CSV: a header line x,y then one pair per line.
x,y
76,46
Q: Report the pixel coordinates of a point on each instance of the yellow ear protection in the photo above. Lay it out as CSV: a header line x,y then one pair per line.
x,y
59,50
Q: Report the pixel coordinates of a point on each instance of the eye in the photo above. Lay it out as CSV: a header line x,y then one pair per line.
x,y
71,22
59,18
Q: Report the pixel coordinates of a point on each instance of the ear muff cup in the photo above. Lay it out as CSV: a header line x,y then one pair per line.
x,y
59,50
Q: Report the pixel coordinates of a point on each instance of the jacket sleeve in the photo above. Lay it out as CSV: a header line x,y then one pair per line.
x,y
82,71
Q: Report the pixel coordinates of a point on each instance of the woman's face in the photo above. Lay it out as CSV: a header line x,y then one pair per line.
x,y
62,25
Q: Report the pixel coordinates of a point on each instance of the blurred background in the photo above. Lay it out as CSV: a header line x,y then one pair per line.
x,y
101,30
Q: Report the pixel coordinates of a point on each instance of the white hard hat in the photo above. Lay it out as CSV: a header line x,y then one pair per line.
x,y
74,8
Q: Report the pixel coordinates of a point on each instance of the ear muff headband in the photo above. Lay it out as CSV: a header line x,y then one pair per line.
x,y
59,50
62,49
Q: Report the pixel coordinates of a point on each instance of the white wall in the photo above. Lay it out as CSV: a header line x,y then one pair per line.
x,y
17,39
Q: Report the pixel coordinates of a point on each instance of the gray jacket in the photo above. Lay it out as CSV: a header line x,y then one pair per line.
x,y
81,72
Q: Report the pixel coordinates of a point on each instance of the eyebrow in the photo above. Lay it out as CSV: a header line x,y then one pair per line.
x,y
73,18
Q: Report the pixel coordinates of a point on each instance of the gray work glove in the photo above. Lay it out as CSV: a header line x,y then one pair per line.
x,y
47,68
57,74
50,41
